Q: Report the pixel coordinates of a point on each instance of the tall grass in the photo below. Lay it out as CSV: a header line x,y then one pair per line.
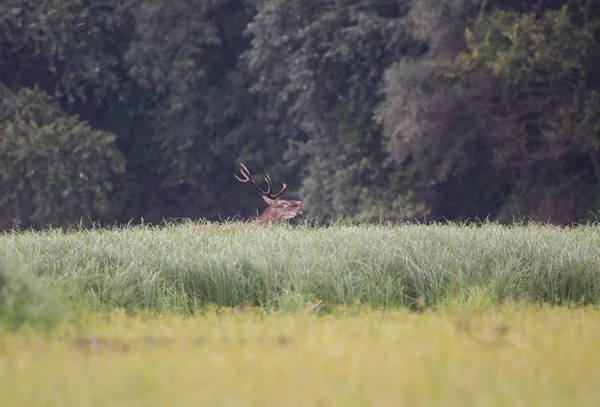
x,y
179,267
25,301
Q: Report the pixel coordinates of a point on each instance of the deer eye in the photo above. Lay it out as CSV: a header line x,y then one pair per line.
x,y
286,203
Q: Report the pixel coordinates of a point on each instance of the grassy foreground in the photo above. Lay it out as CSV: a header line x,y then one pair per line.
x,y
484,332
178,268
505,356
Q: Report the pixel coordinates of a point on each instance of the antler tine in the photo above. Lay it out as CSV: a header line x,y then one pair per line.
x,y
248,178
246,174
280,192
269,184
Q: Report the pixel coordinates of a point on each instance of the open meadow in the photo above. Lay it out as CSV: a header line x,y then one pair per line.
x,y
511,356
193,314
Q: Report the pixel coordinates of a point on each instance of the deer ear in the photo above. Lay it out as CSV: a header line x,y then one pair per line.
x,y
269,201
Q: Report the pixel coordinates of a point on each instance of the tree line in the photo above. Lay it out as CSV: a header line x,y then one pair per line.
x,y
123,110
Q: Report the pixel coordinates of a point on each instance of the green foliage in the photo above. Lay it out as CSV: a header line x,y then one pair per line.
x,y
53,167
185,56
546,67
542,72
71,48
431,135
516,107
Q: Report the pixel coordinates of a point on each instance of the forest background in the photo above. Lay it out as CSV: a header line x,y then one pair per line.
x,y
123,110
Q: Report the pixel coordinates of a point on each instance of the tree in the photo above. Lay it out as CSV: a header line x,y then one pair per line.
x,y
72,49
185,56
504,119
54,168
317,67
543,69
160,75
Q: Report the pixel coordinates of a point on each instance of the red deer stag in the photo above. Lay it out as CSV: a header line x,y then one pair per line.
x,y
278,209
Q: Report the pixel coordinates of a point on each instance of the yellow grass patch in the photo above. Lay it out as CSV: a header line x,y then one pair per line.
x,y
512,356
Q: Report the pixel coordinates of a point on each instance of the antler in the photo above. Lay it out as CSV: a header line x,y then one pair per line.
x,y
248,178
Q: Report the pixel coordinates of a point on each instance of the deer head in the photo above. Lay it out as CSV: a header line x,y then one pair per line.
x,y
278,209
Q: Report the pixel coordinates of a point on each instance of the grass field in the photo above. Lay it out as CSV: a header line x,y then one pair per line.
x,y
176,268
511,355
194,314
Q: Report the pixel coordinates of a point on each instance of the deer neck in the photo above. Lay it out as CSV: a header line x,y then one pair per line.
x,y
268,216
